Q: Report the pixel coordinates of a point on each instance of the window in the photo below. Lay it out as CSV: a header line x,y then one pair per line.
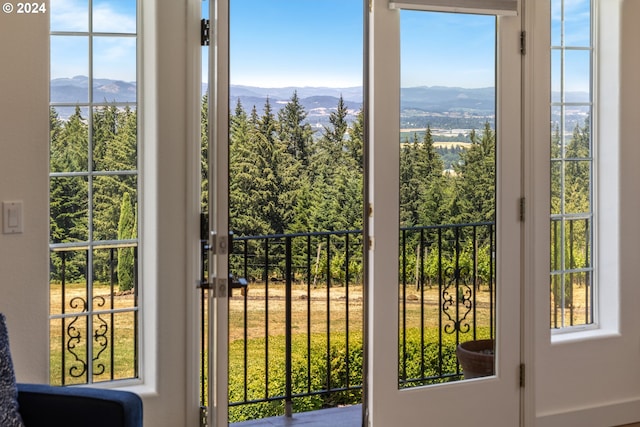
x,y
572,165
94,190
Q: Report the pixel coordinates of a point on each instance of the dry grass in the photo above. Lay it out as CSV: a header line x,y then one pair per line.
x,y
108,332
311,314
312,309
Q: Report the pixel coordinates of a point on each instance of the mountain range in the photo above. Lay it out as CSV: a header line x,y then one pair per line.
x,y
318,102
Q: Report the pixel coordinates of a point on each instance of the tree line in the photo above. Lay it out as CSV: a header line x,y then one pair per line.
x,y
282,179
111,193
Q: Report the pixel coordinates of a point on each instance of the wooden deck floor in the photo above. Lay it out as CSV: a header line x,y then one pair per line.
x,y
349,416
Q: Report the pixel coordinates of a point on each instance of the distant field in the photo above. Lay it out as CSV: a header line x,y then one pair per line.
x,y
456,138
451,144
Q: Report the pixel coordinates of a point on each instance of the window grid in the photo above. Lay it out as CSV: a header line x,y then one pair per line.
x,y
572,266
90,327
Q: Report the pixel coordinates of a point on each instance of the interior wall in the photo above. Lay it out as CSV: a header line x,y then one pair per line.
x,y
24,151
592,378
168,375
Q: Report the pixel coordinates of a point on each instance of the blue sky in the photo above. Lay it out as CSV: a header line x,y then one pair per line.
x,y
278,43
447,49
114,57
283,43
320,43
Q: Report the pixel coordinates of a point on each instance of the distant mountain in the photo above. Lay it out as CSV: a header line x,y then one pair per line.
x,y
439,99
75,90
437,106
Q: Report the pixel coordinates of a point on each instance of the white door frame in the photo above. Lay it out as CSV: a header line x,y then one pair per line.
x,y
387,405
219,213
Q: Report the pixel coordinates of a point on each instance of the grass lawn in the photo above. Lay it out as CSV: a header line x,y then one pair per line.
x,y
263,313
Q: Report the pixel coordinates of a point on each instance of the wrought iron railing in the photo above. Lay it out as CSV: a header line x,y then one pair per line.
x,y
572,287
93,314
447,296
300,296
296,334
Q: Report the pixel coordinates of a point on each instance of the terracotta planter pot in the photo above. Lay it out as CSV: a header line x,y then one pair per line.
x,y
476,358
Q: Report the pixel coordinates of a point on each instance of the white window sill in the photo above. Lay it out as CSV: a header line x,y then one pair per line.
x,y
577,335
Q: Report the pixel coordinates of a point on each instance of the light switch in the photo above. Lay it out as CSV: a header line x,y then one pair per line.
x,y
12,217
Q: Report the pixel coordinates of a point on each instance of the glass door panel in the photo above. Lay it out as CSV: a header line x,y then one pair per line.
x,y
289,141
444,185
447,193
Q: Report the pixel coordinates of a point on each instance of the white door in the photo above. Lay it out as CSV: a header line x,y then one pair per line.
x,y
218,213
450,298
260,45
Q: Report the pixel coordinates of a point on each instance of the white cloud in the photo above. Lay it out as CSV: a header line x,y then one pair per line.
x,y
113,57
69,15
106,19
73,15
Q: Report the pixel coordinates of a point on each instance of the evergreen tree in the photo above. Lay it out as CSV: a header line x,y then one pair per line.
x,y
294,133
355,142
475,182
578,170
68,195
410,183
118,130
433,191
329,169
126,230
261,177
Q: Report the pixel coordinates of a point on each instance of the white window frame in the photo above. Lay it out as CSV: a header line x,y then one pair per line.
x,y
594,184
91,104
605,127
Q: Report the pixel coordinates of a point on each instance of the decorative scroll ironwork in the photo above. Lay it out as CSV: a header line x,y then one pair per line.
x,y
457,300
86,326
79,366
100,337
74,338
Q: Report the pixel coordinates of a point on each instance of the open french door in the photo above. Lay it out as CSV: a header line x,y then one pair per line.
x,y
218,213
396,396
290,45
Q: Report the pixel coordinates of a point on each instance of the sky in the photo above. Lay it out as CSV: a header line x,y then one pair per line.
x,y
280,43
320,43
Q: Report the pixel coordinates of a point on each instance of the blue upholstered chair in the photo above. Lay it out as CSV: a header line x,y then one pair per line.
x,y
44,405
38,405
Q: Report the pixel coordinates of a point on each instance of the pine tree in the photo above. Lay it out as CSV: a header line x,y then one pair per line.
x,y
69,195
433,192
294,133
355,142
119,154
476,180
126,230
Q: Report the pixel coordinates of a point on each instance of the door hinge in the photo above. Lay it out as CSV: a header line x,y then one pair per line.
x,y
204,415
522,208
219,288
205,32
219,245
523,43
522,375
370,6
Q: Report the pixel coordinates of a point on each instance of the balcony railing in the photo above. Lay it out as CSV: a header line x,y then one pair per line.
x,y
93,316
296,334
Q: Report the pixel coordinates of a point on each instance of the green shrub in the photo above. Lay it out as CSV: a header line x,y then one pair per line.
x,y
437,363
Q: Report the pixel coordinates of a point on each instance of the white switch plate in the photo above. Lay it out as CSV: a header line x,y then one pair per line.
x,y
12,217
